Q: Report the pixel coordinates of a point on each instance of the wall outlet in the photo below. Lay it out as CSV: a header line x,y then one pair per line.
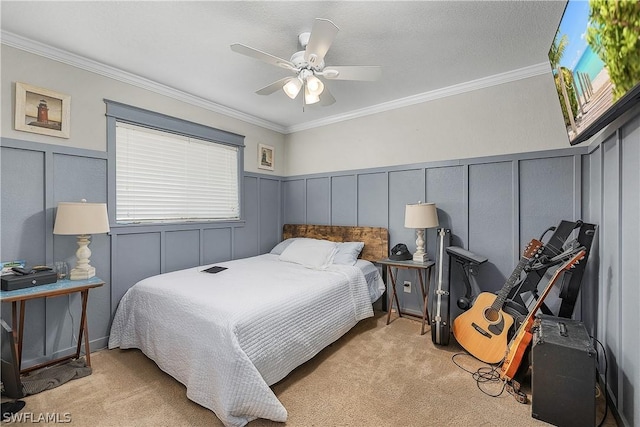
x,y
407,286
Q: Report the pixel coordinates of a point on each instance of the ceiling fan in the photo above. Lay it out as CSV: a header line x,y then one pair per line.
x,y
308,65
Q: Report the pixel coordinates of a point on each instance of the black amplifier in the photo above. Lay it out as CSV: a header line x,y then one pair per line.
x,y
563,373
12,282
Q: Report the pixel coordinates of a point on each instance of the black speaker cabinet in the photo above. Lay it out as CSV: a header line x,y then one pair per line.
x,y
563,373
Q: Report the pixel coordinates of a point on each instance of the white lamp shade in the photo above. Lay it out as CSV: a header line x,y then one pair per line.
x,y
292,87
421,215
315,85
81,218
310,98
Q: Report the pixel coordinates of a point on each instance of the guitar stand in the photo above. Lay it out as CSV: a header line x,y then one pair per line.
x,y
553,253
465,263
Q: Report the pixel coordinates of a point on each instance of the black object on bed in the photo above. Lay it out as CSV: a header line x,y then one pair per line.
x,y
214,269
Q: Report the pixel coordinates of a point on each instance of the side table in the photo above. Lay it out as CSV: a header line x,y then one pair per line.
x,y
421,267
61,287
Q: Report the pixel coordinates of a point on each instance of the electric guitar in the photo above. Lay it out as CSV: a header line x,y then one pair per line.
x,y
523,337
482,330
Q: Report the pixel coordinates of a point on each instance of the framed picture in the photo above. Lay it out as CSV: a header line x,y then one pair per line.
x,y
42,111
266,156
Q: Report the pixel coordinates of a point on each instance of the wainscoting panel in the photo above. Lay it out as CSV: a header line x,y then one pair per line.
x,y
182,249
23,230
492,221
447,187
405,187
295,202
373,199
75,178
245,239
135,257
591,213
344,206
611,228
546,195
23,205
319,201
270,205
216,245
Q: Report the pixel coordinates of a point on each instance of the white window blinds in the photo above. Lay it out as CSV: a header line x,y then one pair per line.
x,y
161,176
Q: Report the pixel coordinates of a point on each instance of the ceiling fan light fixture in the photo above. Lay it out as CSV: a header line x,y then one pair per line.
x,y
314,85
309,97
292,87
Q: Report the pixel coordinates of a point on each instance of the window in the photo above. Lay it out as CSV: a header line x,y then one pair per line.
x,y
169,175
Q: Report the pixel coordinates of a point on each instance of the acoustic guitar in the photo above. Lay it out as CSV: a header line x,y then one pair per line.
x,y
523,337
482,330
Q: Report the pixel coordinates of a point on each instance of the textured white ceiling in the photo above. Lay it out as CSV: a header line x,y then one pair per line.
x,y
422,46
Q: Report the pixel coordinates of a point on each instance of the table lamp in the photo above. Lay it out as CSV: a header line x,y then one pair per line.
x,y
81,219
420,216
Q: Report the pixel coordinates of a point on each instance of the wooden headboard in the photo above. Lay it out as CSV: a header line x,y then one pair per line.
x,y
376,239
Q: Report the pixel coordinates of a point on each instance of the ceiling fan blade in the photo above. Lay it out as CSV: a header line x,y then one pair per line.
x,y
326,98
274,87
352,72
322,35
262,56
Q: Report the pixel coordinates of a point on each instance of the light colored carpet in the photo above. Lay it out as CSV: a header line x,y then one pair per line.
x,y
375,375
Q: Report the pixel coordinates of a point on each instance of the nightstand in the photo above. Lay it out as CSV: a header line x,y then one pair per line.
x,y
422,268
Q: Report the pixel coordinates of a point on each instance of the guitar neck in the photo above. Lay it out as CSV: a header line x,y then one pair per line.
x,y
504,292
529,252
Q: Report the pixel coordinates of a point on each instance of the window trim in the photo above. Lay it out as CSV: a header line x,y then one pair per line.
x,y
117,111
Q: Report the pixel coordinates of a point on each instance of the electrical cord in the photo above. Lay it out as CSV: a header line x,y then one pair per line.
x,y
490,374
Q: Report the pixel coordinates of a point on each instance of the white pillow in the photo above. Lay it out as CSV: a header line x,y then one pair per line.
x,y
280,247
348,253
310,253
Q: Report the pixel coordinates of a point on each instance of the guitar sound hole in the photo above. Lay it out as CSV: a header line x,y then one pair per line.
x,y
491,314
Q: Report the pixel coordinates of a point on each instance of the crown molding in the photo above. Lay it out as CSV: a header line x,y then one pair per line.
x,y
47,51
485,82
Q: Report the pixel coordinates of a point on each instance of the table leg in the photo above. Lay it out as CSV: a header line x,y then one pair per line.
x,y
425,297
84,330
20,333
393,296
15,331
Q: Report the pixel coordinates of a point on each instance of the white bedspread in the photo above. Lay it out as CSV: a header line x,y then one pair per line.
x,y
229,336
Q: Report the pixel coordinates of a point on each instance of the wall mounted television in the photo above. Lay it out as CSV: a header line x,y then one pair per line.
x,y
595,59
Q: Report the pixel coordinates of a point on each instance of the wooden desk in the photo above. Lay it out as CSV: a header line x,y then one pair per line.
x,y
421,267
61,287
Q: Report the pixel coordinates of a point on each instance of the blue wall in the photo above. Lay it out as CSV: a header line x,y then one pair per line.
x,y
611,198
494,206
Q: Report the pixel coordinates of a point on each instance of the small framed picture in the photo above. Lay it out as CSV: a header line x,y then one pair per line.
x,y
266,156
42,111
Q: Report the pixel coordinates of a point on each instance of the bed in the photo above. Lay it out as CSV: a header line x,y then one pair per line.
x,y
230,335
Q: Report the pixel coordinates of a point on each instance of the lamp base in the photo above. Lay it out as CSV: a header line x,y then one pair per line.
x,y
82,274
420,257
